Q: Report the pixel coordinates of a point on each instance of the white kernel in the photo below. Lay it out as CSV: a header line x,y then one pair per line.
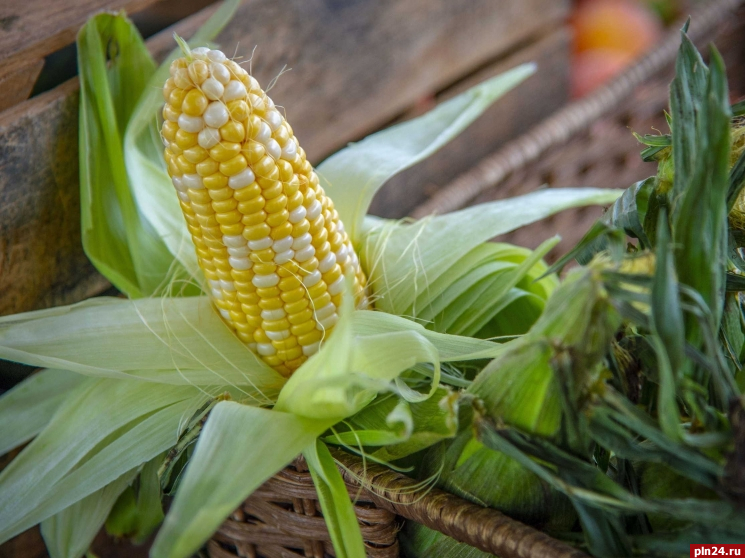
x,y
289,150
325,312
349,269
234,90
239,252
208,138
283,244
216,114
217,293
340,227
266,349
355,260
191,124
310,350
212,89
302,241
242,179
328,322
304,254
234,241
327,263
178,183
337,286
225,314
184,197
341,255
284,257
193,181
220,73
216,56
273,149
312,278
227,286
278,335
314,210
297,214
265,281
172,116
200,52
215,283
272,315
274,119
264,134
241,264
261,244
269,102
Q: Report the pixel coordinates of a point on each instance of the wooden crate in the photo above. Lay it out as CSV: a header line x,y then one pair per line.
x,y
357,65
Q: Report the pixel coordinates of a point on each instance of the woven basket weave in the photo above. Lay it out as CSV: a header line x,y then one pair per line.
x,y
588,143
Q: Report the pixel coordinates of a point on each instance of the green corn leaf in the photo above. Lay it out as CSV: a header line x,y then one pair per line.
x,y
167,340
249,442
69,533
736,181
27,408
403,259
116,238
143,152
104,429
353,175
338,511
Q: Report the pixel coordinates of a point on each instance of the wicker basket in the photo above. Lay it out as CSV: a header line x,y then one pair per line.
x,y
588,143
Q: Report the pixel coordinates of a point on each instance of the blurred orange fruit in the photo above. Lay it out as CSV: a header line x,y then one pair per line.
x,y
592,68
625,25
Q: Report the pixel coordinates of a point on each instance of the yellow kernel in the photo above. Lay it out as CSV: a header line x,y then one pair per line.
x,y
244,277
281,135
168,88
273,361
235,229
256,232
311,337
169,130
317,290
276,204
198,71
285,344
295,307
251,206
299,229
294,364
233,131
301,329
254,152
278,218
185,166
221,264
321,301
195,154
276,325
291,187
261,337
285,170
268,183
262,256
310,265
224,151
215,181
194,103
332,275
300,317
238,109
322,251
264,268
252,219
274,191
229,218
319,239
294,295
176,99
248,193
283,230
254,125
207,167
290,354
264,167
274,303
185,139
181,79
200,197
224,206
201,209
203,253
238,317
269,292
257,103
234,166
289,283
294,201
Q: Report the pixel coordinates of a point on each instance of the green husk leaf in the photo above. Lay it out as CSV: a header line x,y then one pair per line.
x,y
180,341
116,238
250,442
338,511
103,430
69,533
27,408
143,151
436,244
353,175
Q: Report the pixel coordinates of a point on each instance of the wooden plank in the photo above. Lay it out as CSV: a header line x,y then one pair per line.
x,y
357,65
17,80
531,102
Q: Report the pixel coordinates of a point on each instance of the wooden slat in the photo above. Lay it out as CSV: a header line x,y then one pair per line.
x,y
357,64
528,104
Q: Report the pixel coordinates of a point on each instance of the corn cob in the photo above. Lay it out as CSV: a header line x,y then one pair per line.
x,y
268,239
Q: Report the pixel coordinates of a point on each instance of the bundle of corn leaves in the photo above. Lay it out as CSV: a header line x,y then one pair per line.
x,y
624,400
239,346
